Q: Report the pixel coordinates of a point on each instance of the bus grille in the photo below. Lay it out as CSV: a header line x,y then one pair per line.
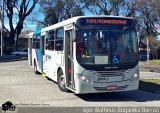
x,y
111,73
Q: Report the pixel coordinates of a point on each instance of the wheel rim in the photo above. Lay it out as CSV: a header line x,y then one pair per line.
x,y
62,81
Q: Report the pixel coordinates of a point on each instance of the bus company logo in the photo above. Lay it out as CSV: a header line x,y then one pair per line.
x,y
8,106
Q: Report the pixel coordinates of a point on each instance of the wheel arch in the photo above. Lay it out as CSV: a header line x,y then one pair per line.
x,y
59,68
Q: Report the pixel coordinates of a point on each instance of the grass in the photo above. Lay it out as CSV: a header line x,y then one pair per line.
x,y
156,81
156,62
150,85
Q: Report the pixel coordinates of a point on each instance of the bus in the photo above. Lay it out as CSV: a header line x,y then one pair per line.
x,y
87,54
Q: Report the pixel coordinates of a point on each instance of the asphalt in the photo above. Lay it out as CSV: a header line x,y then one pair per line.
x,y
10,58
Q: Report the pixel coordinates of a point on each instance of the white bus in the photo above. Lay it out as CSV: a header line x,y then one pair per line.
x,y
88,54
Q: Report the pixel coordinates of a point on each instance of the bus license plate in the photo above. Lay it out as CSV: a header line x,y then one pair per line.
x,y
111,88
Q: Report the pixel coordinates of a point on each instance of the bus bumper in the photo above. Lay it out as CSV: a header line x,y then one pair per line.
x,y
84,87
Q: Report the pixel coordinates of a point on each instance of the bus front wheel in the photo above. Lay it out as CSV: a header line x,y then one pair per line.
x,y
61,81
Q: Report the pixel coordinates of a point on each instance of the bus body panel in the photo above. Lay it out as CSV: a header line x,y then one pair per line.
x,y
37,59
54,60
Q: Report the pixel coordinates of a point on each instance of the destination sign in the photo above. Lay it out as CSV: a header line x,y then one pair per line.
x,y
106,21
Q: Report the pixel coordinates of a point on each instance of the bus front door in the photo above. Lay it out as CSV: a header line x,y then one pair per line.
x,y
69,59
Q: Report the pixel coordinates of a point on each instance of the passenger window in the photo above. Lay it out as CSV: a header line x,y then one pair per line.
x,y
59,39
36,41
51,40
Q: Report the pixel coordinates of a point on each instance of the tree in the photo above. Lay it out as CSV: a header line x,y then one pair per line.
x,y
111,7
98,7
148,17
147,20
154,46
23,8
57,10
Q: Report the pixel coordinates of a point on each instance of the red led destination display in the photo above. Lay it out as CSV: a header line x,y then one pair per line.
x,y
105,21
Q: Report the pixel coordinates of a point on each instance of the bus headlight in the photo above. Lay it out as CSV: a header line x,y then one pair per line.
x,y
136,75
85,79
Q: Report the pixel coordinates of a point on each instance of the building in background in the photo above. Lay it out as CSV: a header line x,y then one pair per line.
x,y
23,39
22,42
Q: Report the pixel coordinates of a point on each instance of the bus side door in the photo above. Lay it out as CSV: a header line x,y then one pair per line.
x,y
42,50
69,59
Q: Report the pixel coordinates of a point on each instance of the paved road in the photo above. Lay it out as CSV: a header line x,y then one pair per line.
x,y
20,85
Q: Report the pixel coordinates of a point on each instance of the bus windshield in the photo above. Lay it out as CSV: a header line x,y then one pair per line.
x,y
106,46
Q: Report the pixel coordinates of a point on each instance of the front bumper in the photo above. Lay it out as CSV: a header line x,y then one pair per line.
x,y
83,87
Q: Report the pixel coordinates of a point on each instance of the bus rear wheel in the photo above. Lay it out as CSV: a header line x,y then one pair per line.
x,y
61,81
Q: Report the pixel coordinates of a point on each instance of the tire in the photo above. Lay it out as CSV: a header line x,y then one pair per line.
x,y
35,68
61,81
12,108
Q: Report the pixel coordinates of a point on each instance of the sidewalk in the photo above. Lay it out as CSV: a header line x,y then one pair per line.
x,y
9,58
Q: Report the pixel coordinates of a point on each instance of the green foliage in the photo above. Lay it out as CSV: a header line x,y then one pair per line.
x,y
152,62
58,10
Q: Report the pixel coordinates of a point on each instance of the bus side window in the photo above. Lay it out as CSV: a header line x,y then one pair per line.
x,y
36,41
59,39
50,40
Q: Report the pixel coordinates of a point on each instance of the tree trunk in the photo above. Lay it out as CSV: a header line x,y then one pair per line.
x,y
11,41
